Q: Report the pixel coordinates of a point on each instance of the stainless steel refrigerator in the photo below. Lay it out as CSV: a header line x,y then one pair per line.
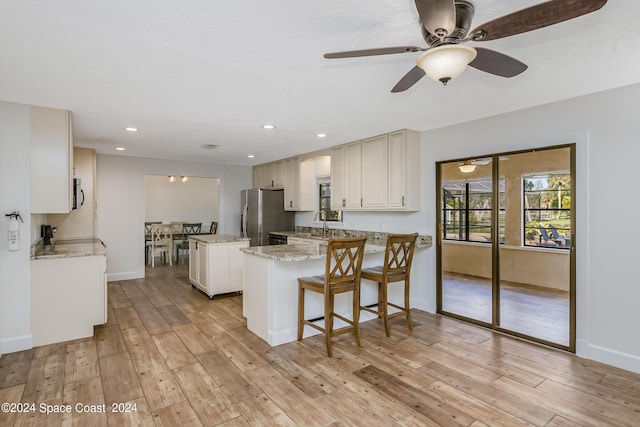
x,y
262,212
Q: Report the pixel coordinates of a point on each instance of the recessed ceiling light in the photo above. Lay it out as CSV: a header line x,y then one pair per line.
x,y
131,129
321,135
120,148
268,126
251,156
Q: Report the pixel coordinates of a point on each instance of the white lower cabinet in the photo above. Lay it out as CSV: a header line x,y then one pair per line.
x,y
68,298
216,267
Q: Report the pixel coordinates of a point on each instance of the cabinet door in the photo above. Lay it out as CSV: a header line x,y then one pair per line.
x,y
338,179
51,161
398,170
404,170
353,171
268,179
236,267
258,176
374,172
219,261
292,184
203,265
278,174
193,261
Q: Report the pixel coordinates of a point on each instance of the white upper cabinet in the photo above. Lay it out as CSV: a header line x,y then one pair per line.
x,y
379,173
374,172
51,161
338,179
258,176
353,175
404,171
292,184
278,174
298,187
269,175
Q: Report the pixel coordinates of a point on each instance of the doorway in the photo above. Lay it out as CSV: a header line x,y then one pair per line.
x,y
506,243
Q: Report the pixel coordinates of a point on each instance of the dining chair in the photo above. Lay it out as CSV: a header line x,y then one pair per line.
x,y
342,274
397,267
188,229
161,241
147,238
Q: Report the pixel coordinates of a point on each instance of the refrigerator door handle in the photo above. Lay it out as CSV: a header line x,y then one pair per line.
x,y
243,220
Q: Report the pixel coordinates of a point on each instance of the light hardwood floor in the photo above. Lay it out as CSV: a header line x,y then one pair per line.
x,y
532,310
185,360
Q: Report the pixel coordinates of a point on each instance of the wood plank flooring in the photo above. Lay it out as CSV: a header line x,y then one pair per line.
x,y
171,357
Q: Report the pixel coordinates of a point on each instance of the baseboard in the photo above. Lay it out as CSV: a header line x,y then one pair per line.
x,y
611,357
11,345
113,277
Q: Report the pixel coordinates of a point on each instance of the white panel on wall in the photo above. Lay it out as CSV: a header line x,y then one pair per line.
x,y
196,200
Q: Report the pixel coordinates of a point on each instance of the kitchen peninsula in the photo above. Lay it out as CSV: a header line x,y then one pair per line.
x,y
270,298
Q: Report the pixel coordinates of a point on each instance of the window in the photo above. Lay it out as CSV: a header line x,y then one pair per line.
x,y
324,203
547,210
466,211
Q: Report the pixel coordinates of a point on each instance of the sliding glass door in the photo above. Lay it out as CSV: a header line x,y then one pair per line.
x,y
506,257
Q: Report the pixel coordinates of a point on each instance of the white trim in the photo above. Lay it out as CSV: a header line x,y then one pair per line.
x,y
11,345
609,356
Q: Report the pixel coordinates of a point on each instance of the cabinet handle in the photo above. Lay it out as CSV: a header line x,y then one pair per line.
x,y
290,203
402,200
360,201
344,203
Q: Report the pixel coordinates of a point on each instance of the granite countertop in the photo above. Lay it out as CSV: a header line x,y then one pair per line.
x,y
374,238
69,248
301,252
217,238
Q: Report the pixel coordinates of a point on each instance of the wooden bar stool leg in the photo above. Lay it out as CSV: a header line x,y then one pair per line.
x,y
356,315
328,320
380,300
406,303
300,313
385,308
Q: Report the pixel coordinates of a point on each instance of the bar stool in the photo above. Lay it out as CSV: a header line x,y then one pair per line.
x,y
342,274
396,268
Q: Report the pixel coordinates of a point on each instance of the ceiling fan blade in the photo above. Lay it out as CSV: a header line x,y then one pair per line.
x,y
497,63
373,52
437,16
534,17
409,79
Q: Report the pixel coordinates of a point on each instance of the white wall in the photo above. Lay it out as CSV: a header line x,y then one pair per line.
x,y
15,279
195,200
605,128
121,204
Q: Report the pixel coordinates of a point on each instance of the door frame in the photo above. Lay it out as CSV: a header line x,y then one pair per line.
x,y
495,247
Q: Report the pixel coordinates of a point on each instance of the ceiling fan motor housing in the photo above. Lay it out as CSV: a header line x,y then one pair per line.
x,y
464,15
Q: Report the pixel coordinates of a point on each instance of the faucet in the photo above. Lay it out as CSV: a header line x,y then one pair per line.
x,y
325,228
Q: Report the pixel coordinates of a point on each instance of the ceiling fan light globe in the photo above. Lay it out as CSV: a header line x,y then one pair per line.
x,y
447,62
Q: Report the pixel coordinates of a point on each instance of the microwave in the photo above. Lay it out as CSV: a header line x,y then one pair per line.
x,y
78,194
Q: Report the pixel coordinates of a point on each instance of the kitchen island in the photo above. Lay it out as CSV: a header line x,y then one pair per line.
x,y
215,263
68,290
270,298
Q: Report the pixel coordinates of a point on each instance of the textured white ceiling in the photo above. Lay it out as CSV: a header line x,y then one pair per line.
x,y
195,72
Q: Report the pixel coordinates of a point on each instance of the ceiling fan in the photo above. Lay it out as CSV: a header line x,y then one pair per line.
x,y
445,28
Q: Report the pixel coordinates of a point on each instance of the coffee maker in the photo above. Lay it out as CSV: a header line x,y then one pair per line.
x,y
46,232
